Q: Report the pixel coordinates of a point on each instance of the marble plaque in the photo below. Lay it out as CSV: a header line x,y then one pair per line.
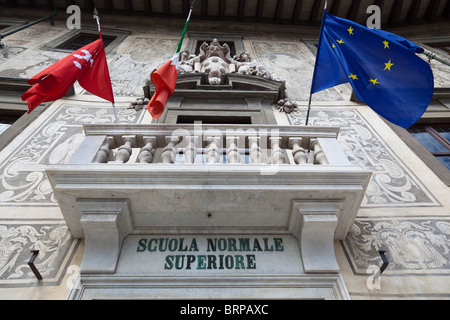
x,y
209,254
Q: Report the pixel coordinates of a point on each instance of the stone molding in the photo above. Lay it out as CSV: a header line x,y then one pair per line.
x,y
328,287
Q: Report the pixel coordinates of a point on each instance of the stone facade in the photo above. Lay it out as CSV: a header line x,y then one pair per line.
x,y
405,209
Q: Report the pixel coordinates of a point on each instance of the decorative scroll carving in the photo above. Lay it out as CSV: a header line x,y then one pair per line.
x,y
16,241
422,243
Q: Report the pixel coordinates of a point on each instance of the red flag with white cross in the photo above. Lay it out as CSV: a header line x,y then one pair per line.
x,y
88,65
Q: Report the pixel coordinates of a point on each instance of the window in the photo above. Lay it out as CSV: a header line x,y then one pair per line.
x,y
435,138
82,39
76,39
214,119
5,123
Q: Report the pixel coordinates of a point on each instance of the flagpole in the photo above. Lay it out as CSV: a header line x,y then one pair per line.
x,y
97,18
185,27
315,64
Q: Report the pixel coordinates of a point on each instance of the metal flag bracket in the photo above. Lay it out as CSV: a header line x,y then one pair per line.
x,y
385,263
32,266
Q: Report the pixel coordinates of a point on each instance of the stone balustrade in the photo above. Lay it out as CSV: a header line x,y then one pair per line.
x,y
210,179
210,144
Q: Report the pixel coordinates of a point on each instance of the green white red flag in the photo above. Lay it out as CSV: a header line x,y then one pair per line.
x,y
164,79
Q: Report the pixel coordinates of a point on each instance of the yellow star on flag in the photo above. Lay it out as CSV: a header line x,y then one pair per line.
x,y
340,41
388,65
350,31
353,76
386,44
374,81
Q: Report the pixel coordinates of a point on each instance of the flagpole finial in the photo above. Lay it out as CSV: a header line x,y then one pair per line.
x,y
97,18
326,4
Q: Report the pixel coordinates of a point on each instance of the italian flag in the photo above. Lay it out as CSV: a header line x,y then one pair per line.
x,y
164,79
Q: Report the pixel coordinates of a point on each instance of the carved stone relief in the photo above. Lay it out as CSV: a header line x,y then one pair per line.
x,y
215,60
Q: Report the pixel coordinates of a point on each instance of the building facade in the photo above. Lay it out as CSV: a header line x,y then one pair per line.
x,y
228,195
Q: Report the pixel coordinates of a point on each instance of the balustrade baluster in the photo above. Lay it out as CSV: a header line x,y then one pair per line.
x,y
298,153
256,154
169,152
233,155
319,155
104,153
148,150
124,152
212,151
278,156
191,150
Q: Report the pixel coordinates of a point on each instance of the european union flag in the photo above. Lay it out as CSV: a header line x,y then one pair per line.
x,y
382,68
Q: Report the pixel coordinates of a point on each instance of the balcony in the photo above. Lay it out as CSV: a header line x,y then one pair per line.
x,y
209,179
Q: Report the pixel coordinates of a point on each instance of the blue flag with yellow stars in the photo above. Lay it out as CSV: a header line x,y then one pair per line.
x,y
382,68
